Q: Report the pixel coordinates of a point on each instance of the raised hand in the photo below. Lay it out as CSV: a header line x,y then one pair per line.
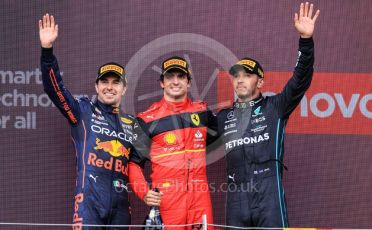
x,y
48,31
305,21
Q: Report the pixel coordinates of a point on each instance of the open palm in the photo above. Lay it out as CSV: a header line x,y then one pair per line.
x,y
48,31
305,21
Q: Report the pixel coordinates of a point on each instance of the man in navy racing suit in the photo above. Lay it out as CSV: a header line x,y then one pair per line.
x,y
102,138
253,135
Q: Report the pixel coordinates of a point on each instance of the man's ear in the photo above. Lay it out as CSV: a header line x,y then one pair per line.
x,y
260,83
96,86
189,83
125,89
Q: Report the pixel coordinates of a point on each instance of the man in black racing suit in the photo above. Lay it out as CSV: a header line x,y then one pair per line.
x,y
253,135
102,138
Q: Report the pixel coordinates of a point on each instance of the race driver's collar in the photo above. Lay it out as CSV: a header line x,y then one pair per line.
x,y
243,105
107,108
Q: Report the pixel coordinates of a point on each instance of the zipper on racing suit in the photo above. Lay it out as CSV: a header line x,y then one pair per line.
x,y
188,174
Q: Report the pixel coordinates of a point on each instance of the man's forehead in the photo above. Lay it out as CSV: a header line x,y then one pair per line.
x,y
110,76
174,72
242,71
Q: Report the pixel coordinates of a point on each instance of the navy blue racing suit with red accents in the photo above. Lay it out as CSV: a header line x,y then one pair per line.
x,y
102,139
253,137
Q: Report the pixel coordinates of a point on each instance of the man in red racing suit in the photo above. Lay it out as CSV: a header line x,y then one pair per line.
x,y
172,134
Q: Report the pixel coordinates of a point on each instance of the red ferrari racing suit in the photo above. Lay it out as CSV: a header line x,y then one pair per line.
x,y
173,136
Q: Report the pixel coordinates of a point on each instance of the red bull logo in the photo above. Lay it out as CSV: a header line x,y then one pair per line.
x,y
77,220
113,147
95,161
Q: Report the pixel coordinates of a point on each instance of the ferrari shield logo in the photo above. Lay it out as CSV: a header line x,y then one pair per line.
x,y
195,119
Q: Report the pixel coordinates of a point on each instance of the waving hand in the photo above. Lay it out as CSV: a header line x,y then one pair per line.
x,y
48,31
304,21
